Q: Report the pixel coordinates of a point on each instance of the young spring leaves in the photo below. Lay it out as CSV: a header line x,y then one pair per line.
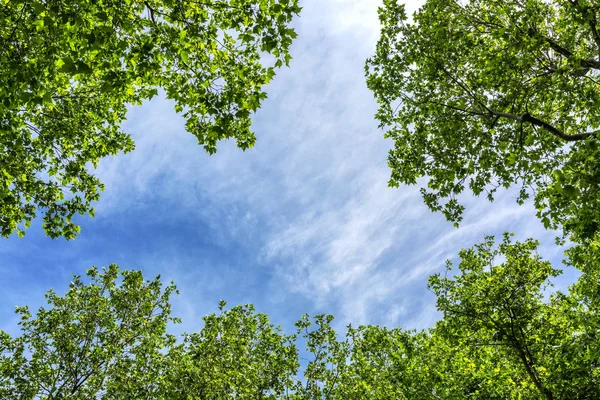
x,y
501,337
487,94
237,354
519,341
70,68
103,337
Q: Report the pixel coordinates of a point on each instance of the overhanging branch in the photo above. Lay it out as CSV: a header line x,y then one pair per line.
x,y
543,124
554,45
521,118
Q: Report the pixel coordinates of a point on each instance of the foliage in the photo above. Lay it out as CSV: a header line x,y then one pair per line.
x,y
70,68
478,94
503,335
237,354
532,344
104,337
485,94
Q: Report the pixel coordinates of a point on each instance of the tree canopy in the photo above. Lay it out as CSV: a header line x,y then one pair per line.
x,y
477,94
103,337
488,94
502,336
71,68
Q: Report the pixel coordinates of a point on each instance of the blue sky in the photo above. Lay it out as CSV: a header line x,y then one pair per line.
x,y
302,223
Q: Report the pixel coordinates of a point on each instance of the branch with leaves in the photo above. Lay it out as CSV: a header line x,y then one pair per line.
x,y
71,68
481,95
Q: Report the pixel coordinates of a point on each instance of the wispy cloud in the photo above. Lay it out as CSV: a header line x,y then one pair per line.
x,y
304,222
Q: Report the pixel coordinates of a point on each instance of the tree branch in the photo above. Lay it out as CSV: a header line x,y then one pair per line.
x,y
587,63
527,363
592,23
595,34
522,118
152,11
543,124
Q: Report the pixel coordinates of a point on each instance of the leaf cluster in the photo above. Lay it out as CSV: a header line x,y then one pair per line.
x,y
483,95
502,336
71,68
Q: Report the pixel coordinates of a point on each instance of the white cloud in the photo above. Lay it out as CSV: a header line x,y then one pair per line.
x,y
313,193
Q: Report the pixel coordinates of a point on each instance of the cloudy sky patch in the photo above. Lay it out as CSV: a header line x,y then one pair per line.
x,y
303,222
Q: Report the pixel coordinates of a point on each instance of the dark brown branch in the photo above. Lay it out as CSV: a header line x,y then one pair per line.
x,y
587,63
527,363
523,118
555,46
590,63
596,35
593,22
151,11
543,124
